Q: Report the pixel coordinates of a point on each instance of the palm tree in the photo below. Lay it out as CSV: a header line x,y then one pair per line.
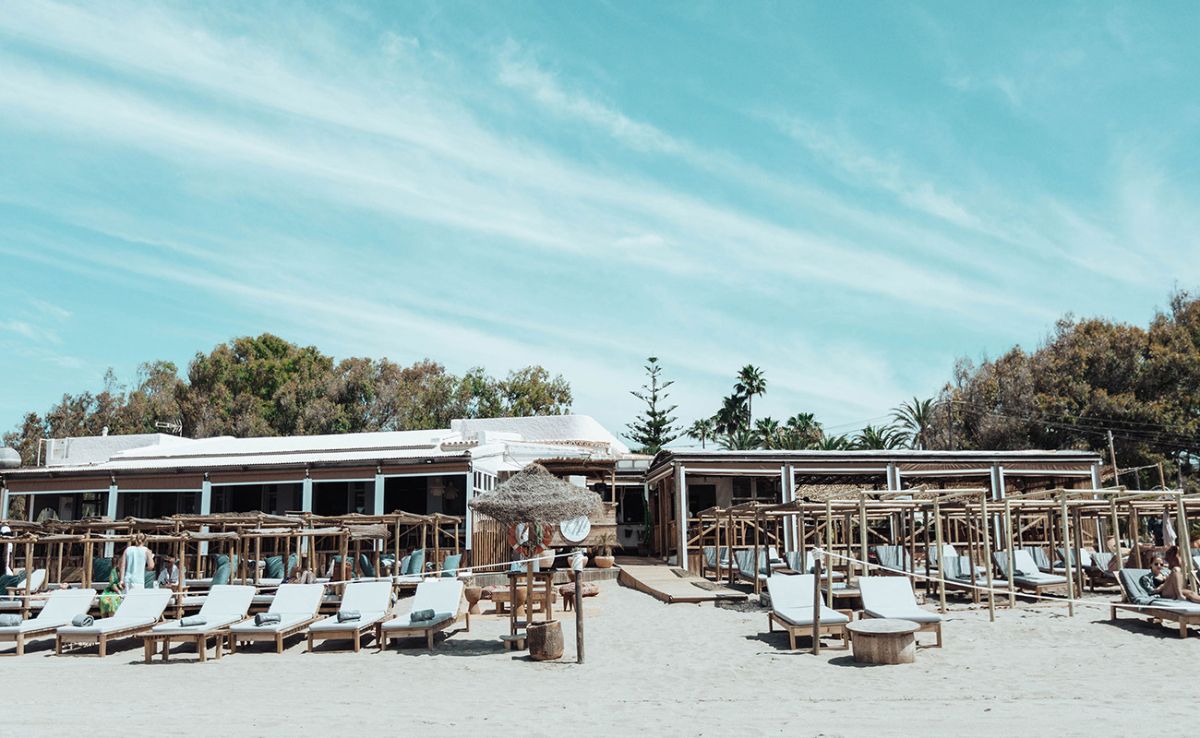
x,y
883,437
832,443
702,430
742,439
801,431
751,382
732,415
915,420
768,431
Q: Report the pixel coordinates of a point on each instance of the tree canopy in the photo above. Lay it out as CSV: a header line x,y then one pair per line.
x,y
265,386
1087,378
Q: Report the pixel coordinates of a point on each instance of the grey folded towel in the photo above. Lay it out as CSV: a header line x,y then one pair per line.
x,y
264,618
9,620
192,621
83,621
345,616
420,616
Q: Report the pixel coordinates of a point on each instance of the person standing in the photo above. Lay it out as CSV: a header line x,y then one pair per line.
x,y
135,562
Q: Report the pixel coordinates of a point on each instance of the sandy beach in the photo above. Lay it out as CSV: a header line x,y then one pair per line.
x,y
651,668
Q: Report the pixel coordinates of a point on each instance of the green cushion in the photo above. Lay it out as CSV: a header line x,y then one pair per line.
x,y
223,571
451,564
101,569
416,562
365,567
273,568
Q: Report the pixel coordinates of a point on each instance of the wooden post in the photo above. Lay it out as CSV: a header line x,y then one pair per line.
x,y
987,555
1078,549
577,570
828,548
972,552
1184,540
1116,531
1012,558
862,532
754,566
816,627
937,529
1066,537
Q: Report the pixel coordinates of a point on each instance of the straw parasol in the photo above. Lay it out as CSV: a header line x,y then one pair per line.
x,y
535,497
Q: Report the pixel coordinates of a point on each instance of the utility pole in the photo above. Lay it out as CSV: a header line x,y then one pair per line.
x,y
1113,453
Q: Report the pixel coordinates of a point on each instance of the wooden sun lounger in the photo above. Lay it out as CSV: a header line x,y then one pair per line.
x,y
278,636
443,595
1183,617
793,594
151,641
142,609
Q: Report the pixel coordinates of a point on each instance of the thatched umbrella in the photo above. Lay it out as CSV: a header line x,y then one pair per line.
x,y
535,497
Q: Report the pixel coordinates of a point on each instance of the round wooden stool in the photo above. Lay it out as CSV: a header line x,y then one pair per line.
x,y
883,641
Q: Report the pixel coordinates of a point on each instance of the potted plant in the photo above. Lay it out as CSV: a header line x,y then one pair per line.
x,y
605,559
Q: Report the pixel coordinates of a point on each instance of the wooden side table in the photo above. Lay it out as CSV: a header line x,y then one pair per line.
x,y
883,641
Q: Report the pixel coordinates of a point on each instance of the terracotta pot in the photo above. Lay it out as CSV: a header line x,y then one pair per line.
x,y
546,561
473,595
603,562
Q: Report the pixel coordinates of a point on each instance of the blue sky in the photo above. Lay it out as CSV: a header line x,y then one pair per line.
x,y
848,196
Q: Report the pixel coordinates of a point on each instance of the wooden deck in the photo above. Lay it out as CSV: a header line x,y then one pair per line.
x,y
672,584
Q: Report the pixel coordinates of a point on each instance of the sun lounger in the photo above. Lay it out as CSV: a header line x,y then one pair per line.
x,y
62,605
226,604
774,559
295,604
1099,572
1183,612
805,566
371,600
16,601
954,572
892,597
442,596
895,559
1026,574
792,610
743,559
140,609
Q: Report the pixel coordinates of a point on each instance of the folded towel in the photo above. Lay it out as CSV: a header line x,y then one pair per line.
x,y
263,618
9,620
192,621
345,616
83,621
420,616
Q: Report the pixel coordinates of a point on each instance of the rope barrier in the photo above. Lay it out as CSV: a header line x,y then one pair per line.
x,y
995,590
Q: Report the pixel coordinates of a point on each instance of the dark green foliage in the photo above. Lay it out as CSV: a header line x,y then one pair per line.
x,y
265,386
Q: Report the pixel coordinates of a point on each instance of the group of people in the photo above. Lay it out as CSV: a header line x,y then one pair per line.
x,y
1166,577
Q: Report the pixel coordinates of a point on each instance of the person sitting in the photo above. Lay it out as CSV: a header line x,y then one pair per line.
x,y
168,573
1166,582
302,573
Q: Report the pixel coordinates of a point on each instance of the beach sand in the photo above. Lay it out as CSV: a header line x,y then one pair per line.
x,y
652,669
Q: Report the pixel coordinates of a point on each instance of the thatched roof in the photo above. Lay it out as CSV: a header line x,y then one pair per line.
x,y
534,495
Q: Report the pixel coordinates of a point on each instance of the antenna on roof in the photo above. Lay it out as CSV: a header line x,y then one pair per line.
x,y
175,427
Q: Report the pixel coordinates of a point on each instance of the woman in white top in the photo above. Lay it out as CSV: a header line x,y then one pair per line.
x,y
135,561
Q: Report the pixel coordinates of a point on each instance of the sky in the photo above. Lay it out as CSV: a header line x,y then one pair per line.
x,y
849,196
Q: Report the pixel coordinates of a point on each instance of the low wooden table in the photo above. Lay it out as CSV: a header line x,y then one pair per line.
x,y
884,641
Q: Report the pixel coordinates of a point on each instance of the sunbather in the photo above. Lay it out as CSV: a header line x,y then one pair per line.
x,y
302,573
1166,582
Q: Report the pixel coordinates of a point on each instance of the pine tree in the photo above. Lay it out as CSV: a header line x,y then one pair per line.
x,y
655,426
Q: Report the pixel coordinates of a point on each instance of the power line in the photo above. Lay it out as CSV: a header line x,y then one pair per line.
x,y
1126,433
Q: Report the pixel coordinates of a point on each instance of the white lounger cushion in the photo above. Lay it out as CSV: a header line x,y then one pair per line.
x,y
293,603
371,599
60,609
439,595
892,597
139,607
1027,570
225,604
792,600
